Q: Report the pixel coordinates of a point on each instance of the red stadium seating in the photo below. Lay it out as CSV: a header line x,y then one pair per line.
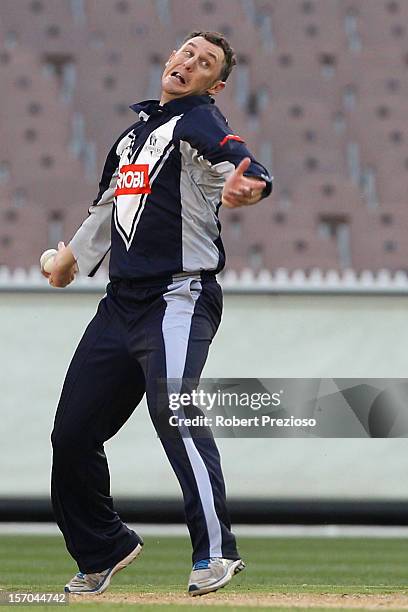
x,y
319,93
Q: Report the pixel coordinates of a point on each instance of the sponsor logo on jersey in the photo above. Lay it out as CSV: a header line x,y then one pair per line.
x,y
133,179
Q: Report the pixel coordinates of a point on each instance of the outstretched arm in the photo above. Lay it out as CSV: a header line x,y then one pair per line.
x,y
206,140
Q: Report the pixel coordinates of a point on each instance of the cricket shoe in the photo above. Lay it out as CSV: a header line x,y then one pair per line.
x,y
209,575
97,583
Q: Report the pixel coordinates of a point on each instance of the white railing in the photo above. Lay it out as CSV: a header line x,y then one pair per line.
x,y
246,281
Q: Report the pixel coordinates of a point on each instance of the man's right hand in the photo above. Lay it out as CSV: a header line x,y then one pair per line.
x,y
64,267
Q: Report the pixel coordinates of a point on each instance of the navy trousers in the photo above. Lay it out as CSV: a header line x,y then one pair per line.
x,y
139,336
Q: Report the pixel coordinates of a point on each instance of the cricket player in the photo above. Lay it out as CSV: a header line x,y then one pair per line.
x,y
157,213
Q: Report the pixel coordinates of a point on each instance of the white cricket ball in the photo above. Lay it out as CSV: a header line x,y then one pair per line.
x,y
47,260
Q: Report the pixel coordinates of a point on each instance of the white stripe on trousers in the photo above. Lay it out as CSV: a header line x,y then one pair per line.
x,y
176,327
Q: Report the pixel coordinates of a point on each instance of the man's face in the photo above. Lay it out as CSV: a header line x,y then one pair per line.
x,y
194,69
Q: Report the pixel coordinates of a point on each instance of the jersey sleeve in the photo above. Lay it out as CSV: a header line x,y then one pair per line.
x,y
216,147
92,241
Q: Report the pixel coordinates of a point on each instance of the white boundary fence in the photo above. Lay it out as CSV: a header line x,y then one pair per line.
x,y
277,281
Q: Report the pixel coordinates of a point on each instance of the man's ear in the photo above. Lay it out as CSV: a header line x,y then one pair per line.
x,y
216,88
173,53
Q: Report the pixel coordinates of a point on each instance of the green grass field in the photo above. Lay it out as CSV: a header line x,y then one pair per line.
x,y
281,573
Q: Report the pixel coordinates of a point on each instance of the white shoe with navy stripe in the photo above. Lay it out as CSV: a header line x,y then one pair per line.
x,y
97,583
209,575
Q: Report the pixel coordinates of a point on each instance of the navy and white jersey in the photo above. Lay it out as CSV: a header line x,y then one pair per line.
x,y
158,200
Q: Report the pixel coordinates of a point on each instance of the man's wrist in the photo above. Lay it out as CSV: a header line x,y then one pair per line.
x,y
66,258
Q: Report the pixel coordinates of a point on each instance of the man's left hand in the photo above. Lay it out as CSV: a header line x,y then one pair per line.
x,y
240,190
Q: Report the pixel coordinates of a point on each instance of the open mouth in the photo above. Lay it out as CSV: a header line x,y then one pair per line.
x,y
178,76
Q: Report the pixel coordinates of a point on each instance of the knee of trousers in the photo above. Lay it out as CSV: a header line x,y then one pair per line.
x,y
70,441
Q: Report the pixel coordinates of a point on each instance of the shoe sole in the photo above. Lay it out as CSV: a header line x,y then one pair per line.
x,y
235,568
116,568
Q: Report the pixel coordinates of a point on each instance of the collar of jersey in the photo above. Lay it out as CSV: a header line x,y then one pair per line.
x,y
147,108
